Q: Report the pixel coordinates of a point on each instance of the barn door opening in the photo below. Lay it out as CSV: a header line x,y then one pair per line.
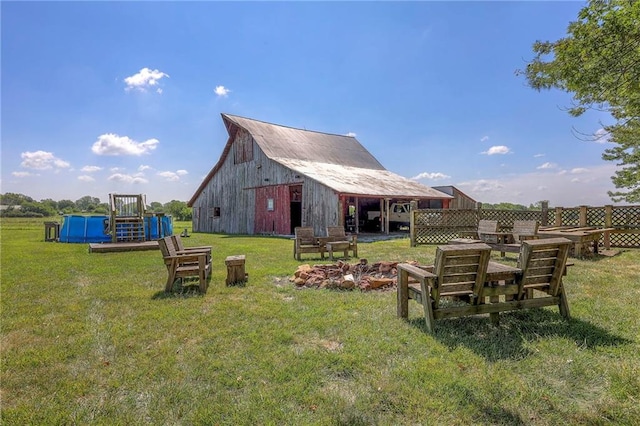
x,y
295,206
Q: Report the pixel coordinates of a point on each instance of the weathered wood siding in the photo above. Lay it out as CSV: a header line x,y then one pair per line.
x,y
241,186
320,206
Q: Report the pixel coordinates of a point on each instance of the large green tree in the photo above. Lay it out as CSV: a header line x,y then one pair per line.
x,y
599,63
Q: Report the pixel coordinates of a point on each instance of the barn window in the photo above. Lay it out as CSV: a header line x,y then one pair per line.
x,y
214,212
270,207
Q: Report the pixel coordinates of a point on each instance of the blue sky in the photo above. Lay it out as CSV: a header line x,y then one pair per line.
x,y
126,97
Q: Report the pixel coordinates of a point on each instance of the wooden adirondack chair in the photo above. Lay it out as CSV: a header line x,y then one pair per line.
x,y
459,271
305,241
337,239
181,249
184,265
543,263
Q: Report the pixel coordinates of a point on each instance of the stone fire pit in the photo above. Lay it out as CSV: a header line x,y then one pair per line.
x,y
342,275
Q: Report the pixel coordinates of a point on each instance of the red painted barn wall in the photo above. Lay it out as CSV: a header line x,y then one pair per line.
x,y
278,220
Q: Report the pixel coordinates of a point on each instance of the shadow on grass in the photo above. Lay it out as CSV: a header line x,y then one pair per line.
x,y
517,329
179,291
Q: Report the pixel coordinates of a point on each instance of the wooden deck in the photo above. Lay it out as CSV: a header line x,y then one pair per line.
x,y
114,247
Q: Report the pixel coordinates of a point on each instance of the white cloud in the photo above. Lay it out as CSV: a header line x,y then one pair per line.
x,y
483,185
143,167
498,149
222,91
484,138
578,170
120,177
547,166
561,190
115,169
86,178
538,155
144,79
22,174
351,134
112,144
90,169
601,136
432,176
42,160
172,176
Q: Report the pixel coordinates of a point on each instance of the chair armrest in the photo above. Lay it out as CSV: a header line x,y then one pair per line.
x,y
418,272
188,257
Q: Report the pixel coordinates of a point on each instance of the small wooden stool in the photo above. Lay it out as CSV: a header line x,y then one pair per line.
x,y
51,231
235,269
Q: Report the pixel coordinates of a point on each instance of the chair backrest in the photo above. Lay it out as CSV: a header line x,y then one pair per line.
x,y
485,226
166,248
461,269
543,262
524,228
305,235
336,233
177,242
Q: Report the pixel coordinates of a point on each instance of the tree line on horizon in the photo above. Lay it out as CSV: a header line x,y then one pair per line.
x,y
20,205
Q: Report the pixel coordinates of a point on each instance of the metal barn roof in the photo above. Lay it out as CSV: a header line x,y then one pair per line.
x,y
286,142
361,181
337,161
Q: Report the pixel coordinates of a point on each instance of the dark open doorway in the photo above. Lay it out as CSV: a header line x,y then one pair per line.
x,y
295,209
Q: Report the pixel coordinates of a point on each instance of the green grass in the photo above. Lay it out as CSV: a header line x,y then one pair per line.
x,y
92,339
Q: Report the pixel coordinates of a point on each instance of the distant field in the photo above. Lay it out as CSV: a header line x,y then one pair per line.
x,y
92,339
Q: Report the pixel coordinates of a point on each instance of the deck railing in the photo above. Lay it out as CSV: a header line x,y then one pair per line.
x,y
438,226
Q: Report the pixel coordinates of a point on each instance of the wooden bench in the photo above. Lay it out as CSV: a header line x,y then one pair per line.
x,y
481,287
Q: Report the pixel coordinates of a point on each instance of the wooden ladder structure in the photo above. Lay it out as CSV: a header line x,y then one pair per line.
x,y
126,220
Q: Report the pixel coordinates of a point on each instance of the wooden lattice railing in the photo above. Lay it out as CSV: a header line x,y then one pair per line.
x,y
438,226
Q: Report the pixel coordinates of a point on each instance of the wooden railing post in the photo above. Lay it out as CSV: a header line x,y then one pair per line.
x,y
412,227
558,221
544,220
583,216
608,216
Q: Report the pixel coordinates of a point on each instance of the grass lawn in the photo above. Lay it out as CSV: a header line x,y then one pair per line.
x,y
93,339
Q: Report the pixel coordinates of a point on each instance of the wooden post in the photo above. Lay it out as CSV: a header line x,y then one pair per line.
x,y
558,216
386,216
545,213
356,215
412,227
583,216
608,216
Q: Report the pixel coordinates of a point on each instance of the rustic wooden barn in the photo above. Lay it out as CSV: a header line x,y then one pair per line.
x,y
460,201
272,178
